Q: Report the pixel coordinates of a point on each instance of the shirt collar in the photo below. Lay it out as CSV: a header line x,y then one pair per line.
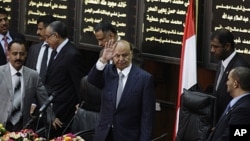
x,y
13,71
59,48
228,59
234,100
126,70
44,43
7,35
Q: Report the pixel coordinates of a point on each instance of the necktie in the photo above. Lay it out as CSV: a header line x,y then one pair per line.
x,y
16,109
43,68
220,76
119,89
52,58
5,38
228,108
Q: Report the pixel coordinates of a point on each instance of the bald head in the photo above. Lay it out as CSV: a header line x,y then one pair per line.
x,y
122,54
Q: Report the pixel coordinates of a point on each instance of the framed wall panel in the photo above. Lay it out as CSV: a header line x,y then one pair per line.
x,y
63,10
232,15
120,13
162,29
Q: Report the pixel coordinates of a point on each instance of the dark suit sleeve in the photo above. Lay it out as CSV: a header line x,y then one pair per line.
x,y
41,97
241,114
30,58
96,77
148,110
77,69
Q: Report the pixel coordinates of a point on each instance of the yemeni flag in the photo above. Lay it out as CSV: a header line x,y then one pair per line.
x,y
188,62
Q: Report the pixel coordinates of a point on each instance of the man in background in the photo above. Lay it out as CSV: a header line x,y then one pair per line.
x,y
65,70
105,31
6,36
128,97
223,48
39,55
237,112
38,52
19,87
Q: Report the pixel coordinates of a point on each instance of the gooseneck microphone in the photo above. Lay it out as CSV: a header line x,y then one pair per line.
x,y
47,102
41,110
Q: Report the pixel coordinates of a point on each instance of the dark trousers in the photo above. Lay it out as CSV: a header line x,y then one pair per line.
x,y
14,128
110,135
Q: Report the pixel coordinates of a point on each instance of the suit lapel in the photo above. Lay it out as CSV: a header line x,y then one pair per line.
x,y
7,78
226,116
26,77
227,69
1,51
129,86
36,54
114,82
59,57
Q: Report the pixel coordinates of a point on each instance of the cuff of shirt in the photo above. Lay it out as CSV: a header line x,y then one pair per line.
x,y
100,66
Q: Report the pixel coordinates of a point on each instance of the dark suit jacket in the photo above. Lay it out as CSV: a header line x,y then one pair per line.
x,y
133,118
32,57
238,115
63,77
14,36
221,94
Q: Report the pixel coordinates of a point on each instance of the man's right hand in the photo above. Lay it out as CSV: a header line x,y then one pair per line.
x,y
108,51
57,123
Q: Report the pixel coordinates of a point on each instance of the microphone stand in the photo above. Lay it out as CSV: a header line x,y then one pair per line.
x,y
29,122
50,122
73,118
38,120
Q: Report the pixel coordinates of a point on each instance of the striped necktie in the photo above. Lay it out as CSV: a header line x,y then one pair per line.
x,y
5,40
16,113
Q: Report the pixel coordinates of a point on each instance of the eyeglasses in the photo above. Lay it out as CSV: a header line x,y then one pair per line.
x,y
48,36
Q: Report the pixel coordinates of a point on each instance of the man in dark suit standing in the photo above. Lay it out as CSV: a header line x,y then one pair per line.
x,y
37,51
104,31
39,55
6,36
19,87
223,48
65,70
237,112
128,97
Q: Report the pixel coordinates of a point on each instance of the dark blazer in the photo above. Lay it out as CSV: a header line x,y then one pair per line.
x,y
238,115
63,77
32,57
134,117
14,35
221,94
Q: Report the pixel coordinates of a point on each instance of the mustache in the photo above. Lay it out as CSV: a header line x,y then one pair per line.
x,y
18,61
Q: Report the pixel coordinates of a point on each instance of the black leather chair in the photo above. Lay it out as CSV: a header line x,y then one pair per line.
x,y
195,117
87,115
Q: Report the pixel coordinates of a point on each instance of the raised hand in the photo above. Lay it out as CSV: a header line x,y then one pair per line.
x,y
108,51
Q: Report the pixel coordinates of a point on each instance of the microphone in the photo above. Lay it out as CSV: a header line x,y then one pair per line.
x,y
47,102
